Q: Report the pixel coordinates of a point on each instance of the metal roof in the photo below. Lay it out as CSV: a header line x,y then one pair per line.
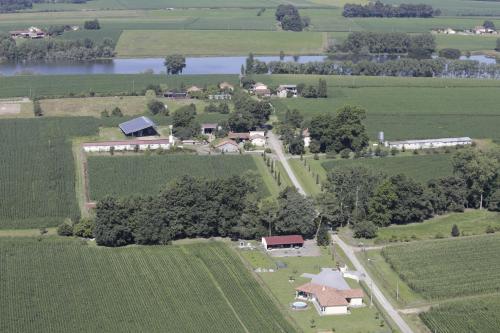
x,y
284,240
136,124
447,140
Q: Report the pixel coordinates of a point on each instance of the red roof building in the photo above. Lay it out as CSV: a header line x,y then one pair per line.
x,y
282,241
329,300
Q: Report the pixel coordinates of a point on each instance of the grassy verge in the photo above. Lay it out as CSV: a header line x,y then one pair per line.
x,y
305,177
267,178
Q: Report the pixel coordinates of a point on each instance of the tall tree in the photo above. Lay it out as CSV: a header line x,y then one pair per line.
x,y
296,214
175,63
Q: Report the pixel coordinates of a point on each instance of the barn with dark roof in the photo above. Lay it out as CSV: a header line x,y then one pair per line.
x,y
142,126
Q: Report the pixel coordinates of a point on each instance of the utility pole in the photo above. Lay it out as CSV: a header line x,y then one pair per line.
x,y
371,293
133,85
397,290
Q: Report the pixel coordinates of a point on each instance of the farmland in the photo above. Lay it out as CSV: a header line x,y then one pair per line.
x,y
472,315
421,168
143,43
65,285
473,222
464,267
147,175
37,170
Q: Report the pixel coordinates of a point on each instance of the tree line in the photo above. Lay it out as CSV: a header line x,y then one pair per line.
x,y
15,5
379,9
403,67
53,49
366,199
196,207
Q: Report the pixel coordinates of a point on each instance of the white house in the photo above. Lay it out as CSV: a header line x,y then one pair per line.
x,y
129,145
328,300
285,90
228,146
258,138
260,89
429,143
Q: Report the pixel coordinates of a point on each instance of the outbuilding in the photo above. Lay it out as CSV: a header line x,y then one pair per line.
x,y
228,146
278,242
142,126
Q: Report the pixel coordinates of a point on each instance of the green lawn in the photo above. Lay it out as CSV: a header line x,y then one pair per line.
x,y
62,285
421,167
472,222
466,43
144,43
306,178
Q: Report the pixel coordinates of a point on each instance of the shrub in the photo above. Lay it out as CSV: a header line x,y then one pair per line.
x,y
454,231
84,228
439,235
117,112
450,53
92,25
157,107
65,229
365,229
490,230
345,153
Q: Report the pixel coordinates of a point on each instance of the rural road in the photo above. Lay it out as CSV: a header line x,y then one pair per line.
x,y
379,296
277,147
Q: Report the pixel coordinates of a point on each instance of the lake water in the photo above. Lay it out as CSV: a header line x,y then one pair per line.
x,y
205,65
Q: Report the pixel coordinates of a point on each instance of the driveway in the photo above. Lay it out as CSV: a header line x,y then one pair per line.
x,y
277,147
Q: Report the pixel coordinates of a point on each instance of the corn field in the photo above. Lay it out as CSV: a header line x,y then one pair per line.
x,y
64,285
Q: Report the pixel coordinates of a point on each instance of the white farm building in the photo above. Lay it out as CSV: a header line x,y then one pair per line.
x,y
129,145
428,143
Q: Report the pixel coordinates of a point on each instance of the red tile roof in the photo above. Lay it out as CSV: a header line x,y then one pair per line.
x,y
284,240
222,143
328,296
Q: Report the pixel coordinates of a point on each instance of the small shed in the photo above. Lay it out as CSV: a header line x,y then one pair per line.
x,y
277,242
142,126
176,94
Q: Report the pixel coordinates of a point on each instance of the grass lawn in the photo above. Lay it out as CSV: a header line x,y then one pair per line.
x,y
306,179
472,222
466,43
420,167
144,43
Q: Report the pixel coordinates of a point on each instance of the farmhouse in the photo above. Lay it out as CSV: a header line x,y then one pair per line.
x,y
32,32
328,300
228,146
286,90
307,137
429,143
219,97
129,145
226,86
142,126
176,94
238,136
278,242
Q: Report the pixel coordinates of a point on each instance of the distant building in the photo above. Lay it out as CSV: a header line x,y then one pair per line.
x,y
228,146
207,129
277,242
429,143
221,96
260,89
193,89
258,138
32,32
286,90
239,136
141,126
328,300
128,145
175,94
226,86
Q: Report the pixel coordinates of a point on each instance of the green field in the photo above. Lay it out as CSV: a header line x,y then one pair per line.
x,y
144,43
448,268
61,285
63,85
37,170
421,168
461,7
472,315
147,175
473,222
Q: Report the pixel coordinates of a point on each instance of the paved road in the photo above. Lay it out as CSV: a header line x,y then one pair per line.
x,y
389,309
277,147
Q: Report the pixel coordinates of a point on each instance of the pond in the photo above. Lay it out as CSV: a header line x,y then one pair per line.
x,y
205,65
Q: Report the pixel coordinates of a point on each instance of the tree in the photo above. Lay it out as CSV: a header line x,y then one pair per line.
x,y
157,107
454,231
84,228
382,203
92,25
37,108
350,131
489,25
295,214
116,112
323,237
293,118
65,229
365,229
448,194
309,92
175,64
450,53
184,122
111,223
322,89
296,145
241,121
494,204
497,48
479,172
